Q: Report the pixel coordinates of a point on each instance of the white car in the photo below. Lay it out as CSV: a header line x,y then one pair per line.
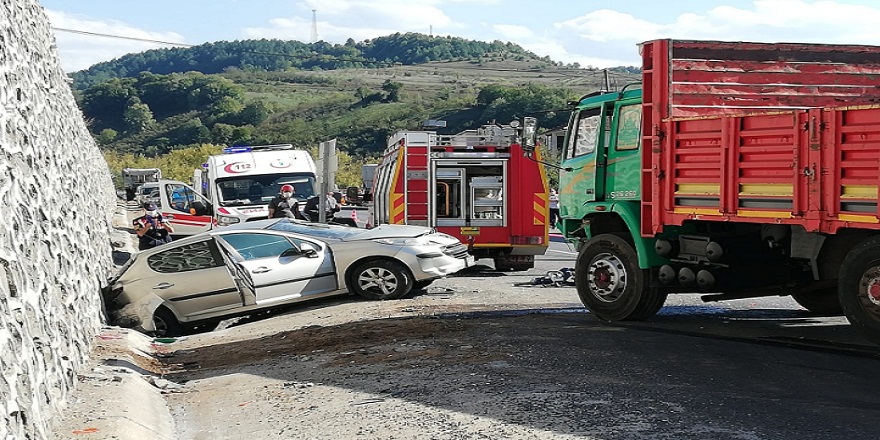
x,y
145,193
259,265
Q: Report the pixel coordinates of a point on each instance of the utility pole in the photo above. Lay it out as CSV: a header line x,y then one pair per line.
x,y
314,38
327,164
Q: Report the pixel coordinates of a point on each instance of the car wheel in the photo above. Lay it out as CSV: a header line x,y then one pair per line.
x,y
166,323
421,285
610,283
381,279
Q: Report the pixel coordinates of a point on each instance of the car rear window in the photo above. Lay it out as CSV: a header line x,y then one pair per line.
x,y
193,256
316,230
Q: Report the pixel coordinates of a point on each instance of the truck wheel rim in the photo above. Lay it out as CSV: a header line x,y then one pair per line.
x,y
378,279
870,287
607,277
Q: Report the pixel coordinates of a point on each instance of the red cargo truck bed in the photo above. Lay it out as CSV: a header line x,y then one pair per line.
x,y
755,132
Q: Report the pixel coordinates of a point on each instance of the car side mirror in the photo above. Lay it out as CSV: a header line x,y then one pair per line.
x,y
291,252
198,208
308,250
294,252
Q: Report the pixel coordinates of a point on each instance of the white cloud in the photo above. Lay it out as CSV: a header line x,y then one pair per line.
x,y
78,51
338,20
513,31
768,20
610,38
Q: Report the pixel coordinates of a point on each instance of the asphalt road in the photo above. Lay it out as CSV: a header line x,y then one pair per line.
x,y
479,356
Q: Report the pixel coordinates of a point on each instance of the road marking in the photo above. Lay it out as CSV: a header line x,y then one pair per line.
x,y
562,252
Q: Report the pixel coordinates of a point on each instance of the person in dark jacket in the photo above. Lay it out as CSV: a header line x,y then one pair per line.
x,y
284,205
151,228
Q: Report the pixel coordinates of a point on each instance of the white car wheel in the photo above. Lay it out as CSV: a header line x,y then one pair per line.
x,y
381,279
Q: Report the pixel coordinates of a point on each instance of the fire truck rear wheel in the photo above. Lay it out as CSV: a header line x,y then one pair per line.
x,y
859,288
380,280
505,264
610,283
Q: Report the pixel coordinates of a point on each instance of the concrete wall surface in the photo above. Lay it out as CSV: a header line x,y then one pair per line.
x,y
55,253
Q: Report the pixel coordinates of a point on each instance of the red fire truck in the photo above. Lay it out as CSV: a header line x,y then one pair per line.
x,y
477,185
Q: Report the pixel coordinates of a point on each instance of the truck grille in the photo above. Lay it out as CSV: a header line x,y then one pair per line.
x,y
457,250
256,218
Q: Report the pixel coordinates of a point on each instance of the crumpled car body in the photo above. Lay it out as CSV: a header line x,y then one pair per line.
x,y
254,266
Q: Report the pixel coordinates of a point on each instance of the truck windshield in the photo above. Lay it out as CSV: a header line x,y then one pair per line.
x,y
261,189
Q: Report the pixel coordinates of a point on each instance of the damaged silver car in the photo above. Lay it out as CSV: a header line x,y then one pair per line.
x,y
255,266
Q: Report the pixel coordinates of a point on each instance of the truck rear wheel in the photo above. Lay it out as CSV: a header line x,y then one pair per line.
x,y
859,288
611,284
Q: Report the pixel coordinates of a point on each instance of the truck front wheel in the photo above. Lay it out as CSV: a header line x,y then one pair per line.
x,y
611,284
859,288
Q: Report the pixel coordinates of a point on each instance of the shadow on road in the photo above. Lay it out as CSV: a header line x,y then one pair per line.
x,y
567,373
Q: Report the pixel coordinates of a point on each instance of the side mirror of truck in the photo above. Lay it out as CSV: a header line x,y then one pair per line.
x,y
529,134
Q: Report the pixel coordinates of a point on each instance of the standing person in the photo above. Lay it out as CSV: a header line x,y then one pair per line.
x,y
332,206
311,209
284,205
554,208
151,228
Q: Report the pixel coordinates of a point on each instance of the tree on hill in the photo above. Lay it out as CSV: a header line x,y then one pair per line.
x,y
279,55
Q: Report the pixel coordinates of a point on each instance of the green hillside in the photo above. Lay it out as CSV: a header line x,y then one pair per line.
x,y
274,55
145,115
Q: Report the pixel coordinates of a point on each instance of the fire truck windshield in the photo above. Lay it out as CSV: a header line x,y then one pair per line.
x,y
261,189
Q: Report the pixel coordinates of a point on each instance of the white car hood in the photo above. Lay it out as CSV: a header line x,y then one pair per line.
x,y
390,231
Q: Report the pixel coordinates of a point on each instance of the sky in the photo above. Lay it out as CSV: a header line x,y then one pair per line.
x,y
592,33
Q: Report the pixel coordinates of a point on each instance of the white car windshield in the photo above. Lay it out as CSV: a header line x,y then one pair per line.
x,y
315,229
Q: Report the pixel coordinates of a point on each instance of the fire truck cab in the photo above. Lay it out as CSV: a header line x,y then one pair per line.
x,y
476,185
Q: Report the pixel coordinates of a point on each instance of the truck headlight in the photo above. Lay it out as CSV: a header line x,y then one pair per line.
x,y
225,220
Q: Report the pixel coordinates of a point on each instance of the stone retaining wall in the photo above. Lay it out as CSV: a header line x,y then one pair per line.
x,y
55,254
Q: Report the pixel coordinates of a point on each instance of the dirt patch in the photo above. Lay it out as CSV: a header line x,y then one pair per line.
x,y
368,342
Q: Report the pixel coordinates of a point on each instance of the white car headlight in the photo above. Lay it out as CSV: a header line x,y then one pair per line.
x,y
224,220
404,241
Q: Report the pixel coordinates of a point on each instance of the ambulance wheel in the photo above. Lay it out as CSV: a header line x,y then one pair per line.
x,y
380,279
859,288
610,283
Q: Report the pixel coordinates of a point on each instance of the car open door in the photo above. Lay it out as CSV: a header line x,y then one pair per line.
x,y
191,279
283,268
188,211
242,277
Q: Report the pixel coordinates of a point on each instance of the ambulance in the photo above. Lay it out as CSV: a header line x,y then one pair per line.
x,y
237,186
